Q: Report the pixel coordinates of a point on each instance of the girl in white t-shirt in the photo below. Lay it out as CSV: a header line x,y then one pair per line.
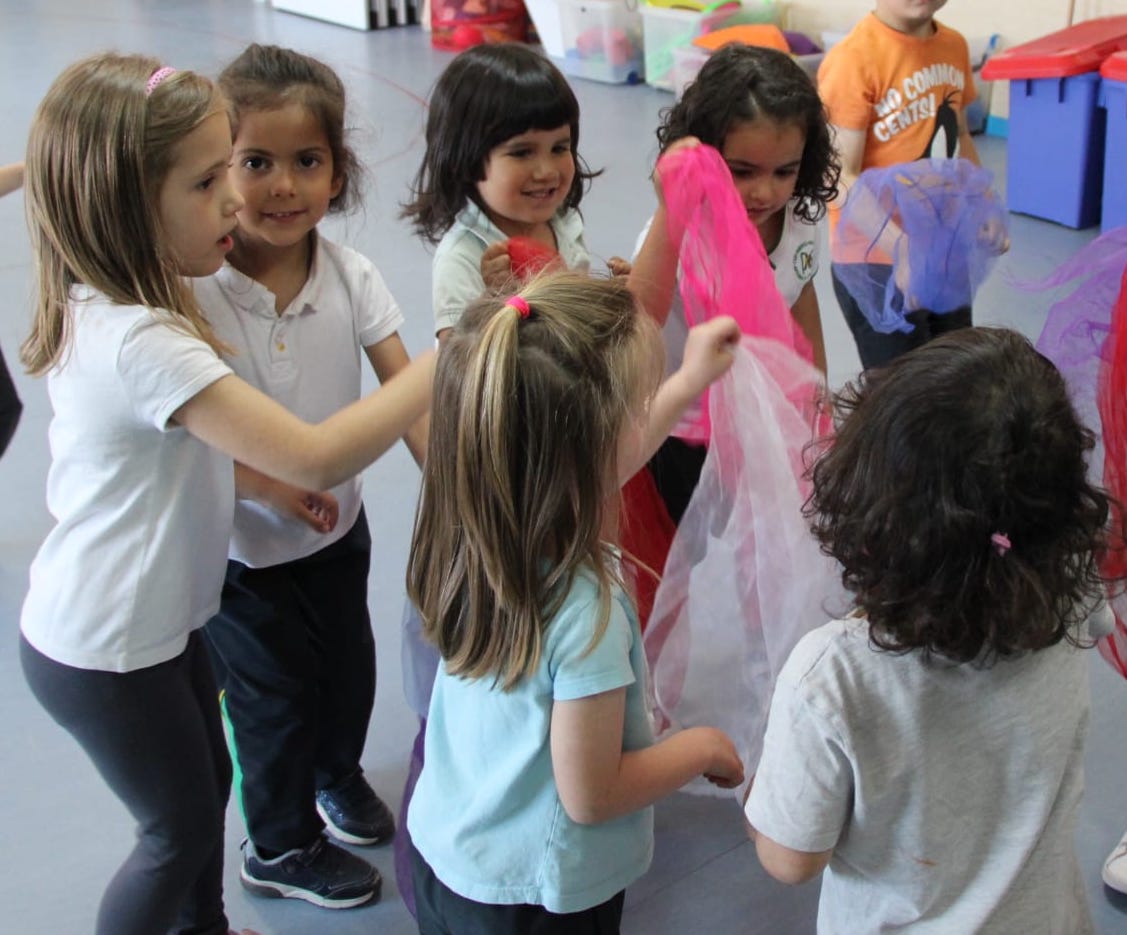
x,y
532,812
762,112
292,642
152,437
927,750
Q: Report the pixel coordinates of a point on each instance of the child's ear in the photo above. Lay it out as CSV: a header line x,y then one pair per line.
x,y
338,184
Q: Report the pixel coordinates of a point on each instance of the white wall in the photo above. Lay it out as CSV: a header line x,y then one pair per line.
x,y
1016,21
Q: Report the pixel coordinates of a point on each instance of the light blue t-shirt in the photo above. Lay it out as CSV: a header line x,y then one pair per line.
x,y
486,815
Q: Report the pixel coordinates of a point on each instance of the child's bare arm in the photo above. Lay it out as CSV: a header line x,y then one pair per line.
x,y
319,510
11,178
808,317
708,356
653,276
238,419
388,357
787,865
598,781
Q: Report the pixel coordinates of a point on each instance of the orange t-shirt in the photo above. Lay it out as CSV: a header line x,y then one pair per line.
x,y
905,92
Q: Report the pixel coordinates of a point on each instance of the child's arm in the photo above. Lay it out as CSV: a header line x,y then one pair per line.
x,y
11,178
708,356
598,781
808,317
787,865
784,863
388,357
238,419
653,276
850,146
318,510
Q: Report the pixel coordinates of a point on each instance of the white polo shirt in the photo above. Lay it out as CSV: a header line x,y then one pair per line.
x,y
142,508
308,358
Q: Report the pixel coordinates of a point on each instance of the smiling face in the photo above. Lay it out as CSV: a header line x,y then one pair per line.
x,y
764,158
197,203
283,168
527,178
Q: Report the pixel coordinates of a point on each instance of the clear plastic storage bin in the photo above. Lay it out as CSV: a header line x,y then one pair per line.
x,y
602,40
667,29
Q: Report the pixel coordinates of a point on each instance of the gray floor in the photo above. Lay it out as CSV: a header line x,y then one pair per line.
x,y
63,833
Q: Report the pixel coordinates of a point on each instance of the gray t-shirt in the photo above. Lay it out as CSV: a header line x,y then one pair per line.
x,y
948,793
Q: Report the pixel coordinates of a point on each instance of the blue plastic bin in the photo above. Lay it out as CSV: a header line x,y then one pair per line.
x,y
1054,167
1113,98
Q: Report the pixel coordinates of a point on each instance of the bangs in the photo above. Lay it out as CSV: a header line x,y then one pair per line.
x,y
537,102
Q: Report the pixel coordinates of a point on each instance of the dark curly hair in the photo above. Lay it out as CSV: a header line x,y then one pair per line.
x,y
970,435
487,94
266,77
741,83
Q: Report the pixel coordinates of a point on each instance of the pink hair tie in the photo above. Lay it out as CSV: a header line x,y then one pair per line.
x,y
156,78
1001,542
522,307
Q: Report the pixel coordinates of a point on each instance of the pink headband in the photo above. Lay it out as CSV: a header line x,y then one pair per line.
x,y
1001,542
156,78
521,306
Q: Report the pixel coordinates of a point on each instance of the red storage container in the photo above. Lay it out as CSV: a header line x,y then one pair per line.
x,y
1056,127
458,24
1073,51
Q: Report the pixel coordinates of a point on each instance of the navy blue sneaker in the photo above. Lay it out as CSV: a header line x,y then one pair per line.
x,y
322,874
353,813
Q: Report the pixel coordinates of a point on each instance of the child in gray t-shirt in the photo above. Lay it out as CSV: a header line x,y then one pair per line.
x,y
927,750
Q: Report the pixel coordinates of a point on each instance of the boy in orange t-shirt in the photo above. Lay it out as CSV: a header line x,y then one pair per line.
x,y
896,89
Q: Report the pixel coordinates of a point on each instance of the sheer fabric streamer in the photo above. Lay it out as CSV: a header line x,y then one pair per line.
x,y
940,225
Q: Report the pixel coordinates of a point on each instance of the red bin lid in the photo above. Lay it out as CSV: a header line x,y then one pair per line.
x,y
1072,51
1114,67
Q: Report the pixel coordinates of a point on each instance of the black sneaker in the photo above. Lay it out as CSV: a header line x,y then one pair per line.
x,y
353,813
322,874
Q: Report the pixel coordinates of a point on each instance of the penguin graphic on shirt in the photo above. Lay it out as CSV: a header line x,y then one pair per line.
x,y
944,142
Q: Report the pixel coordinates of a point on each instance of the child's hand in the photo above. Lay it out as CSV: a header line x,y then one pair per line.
x,y
994,236
709,352
496,268
686,142
723,767
619,266
319,511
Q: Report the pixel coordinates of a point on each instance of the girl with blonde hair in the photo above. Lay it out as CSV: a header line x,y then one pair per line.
x,y
152,439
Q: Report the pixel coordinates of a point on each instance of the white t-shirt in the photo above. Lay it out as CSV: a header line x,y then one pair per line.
x,y
948,792
795,260
308,358
142,508
456,270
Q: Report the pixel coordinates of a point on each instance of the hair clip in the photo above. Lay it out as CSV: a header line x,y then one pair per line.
x,y
156,78
517,302
1001,542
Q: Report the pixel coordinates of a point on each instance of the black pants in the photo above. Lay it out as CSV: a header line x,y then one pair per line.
x,y
877,349
155,737
441,911
10,406
294,654
676,468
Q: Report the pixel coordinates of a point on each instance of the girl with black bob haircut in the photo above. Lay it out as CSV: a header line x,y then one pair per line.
x,y
487,95
944,719
502,162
